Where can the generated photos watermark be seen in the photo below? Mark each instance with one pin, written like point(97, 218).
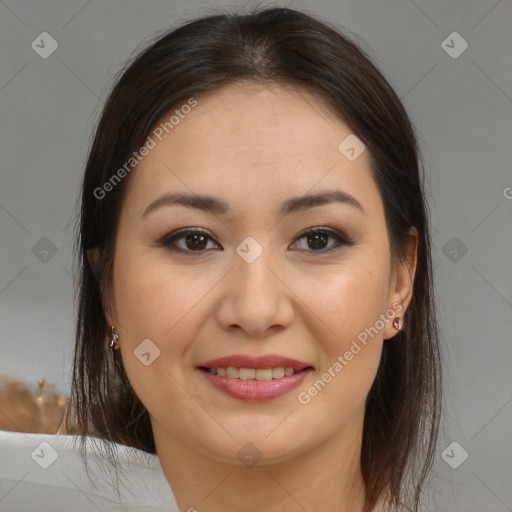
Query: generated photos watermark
point(363, 337)
point(151, 142)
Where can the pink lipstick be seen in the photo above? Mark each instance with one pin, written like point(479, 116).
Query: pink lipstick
point(255, 378)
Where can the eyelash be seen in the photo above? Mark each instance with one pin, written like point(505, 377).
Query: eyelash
point(169, 240)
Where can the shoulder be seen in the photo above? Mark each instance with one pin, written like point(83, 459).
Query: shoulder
point(47, 472)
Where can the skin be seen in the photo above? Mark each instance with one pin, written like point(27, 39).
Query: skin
point(254, 147)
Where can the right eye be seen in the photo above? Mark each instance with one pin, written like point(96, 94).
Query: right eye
point(188, 240)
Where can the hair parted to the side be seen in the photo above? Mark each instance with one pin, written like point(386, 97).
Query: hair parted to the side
point(285, 47)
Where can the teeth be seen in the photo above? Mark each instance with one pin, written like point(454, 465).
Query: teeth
point(263, 374)
point(253, 373)
point(232, 373)
point(247, 373)
point(277, 373)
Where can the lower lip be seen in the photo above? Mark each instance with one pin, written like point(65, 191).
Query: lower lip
point(256, 390)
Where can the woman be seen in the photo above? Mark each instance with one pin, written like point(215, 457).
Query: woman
point(256, 300)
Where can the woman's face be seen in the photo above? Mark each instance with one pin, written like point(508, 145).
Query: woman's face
point(249, 287)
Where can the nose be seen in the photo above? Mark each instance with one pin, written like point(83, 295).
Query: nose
point(255, 298)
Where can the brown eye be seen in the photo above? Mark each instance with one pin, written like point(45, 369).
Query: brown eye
point(196, 242)
point(189, 240)
point(317, 240)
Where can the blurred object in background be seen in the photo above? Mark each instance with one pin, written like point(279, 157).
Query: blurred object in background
point(22, 411)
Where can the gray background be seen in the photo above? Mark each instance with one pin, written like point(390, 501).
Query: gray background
point(461, 106)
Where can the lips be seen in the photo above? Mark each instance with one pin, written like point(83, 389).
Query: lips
point(255, 378)
point(265, 361)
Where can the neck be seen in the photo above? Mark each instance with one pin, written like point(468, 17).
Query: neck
point(327, 477)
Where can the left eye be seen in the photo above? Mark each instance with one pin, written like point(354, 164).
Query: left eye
point(317, 239)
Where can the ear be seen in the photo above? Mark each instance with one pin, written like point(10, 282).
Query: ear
point(401, 282)
point(93, 257)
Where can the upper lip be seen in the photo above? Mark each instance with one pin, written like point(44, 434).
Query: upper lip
point(264, 361)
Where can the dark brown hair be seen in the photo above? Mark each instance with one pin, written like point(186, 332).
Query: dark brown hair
point(285, 47)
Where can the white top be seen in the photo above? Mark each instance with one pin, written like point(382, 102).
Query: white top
point(40, 472)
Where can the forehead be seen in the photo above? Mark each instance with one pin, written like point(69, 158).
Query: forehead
point(249, 143)
point(267, 123)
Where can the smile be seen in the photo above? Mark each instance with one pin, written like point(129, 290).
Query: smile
point(253, 373)
point(255, 378)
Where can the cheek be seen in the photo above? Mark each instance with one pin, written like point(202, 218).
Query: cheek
point(155, 300)
point(349, 304)
point(162, 303)
point(346, 300)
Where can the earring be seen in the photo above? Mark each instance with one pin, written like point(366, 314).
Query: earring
point(114, 340)
point(396, 323)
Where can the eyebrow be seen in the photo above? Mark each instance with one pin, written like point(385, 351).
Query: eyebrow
point(220, 207)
